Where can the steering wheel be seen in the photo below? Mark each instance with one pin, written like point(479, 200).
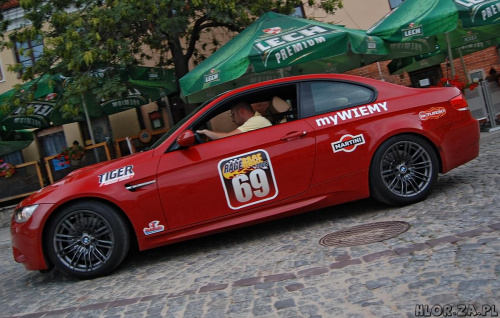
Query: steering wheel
point(199, 139)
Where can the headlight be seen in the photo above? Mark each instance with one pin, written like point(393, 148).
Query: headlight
point(23, 215)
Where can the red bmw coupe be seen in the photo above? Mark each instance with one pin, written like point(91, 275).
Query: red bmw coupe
point(334, 138)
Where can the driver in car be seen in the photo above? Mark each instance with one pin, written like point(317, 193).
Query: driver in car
point(244, 117)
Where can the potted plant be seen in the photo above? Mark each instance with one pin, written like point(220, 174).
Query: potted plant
point(6, 169)
point(457, 83)
point(72, 154)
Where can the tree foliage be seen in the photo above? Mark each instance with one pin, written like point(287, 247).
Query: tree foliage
point(81, 36)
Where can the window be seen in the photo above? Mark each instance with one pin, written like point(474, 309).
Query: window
point(35, 49)
point(52, 144)
point(15, 158)
point(299, 12)
point(219, 118)
point(395, 3)
point(326, 96)
point(2, 78)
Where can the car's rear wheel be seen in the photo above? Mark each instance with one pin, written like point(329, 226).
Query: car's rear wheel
point(404, 170)
point(87, 240)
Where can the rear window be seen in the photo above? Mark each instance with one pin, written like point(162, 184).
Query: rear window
point(326, 96)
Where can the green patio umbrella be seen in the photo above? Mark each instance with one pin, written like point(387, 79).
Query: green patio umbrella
point(277, 45)
point(443, 24)
point(42, 110)
point(134, 99)
point(152, 81)
point(412, 63)
point(90, 105)
point(40, 88)
point(143, 84)
point(20, 114)
point(11, 141)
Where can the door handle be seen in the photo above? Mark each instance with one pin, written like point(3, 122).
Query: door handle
point(294, 135)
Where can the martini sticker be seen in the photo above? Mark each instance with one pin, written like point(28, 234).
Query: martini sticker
point(348, 143)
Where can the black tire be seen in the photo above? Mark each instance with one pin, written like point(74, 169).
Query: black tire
point(87, 240)
point(403, 171)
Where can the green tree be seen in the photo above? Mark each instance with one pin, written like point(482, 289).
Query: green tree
point(82, 36)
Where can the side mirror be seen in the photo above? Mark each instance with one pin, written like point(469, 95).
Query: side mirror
point(186, 138)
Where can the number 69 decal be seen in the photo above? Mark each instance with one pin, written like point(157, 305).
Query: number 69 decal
point(248, 179)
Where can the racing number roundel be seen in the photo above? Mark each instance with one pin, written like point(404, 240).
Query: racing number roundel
point(248, 179)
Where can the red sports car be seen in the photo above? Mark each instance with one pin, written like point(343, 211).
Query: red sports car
point(333, 139)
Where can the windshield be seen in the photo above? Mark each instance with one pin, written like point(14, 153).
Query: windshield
point(176, 126)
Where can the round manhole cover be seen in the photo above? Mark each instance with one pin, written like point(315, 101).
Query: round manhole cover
point(365, 234)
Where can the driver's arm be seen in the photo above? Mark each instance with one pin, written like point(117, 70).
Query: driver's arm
point(217, 135)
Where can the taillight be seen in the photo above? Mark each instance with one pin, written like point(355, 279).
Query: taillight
point(459, 103)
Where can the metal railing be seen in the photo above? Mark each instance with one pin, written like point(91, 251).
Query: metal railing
point(129, 145)
point(29, 177)
point(484, 103)
point(26, 179)
point(57, 169)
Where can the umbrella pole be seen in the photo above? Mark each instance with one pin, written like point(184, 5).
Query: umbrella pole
point(380, 72)
point(89, 125)
point(450, 54)
point(463, 64)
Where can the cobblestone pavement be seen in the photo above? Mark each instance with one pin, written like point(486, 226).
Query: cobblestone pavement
point(448, 261)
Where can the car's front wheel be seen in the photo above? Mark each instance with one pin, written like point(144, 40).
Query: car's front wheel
point(87, 239)
point(404, 170)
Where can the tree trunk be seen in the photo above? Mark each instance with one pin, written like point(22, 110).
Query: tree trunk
point(181, 68)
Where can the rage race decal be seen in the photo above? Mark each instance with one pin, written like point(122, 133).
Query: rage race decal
point(154, 227)
point(433, 113)
point(248, 179)
point(116, 175)
point(348, 143)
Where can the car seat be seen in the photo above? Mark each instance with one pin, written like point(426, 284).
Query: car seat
point(278, 109)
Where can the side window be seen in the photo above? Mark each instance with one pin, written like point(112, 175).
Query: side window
point(327, 96)
point(278, 104)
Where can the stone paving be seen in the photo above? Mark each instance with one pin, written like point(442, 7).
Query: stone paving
point(5, 215)
point(447, 262)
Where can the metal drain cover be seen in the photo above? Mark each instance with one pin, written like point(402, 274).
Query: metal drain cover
point(365, 234)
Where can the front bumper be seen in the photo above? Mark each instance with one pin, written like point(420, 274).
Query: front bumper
point(27, 247)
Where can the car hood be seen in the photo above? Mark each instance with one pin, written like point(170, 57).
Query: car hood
point(82, 175)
